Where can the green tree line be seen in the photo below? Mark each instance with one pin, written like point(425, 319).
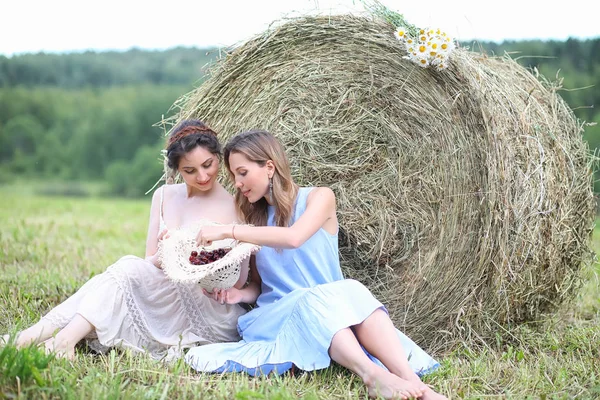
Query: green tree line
point(74, 135)
point(91, 115)
point(177, 66)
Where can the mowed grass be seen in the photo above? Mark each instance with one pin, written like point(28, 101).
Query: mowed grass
point(50, 246)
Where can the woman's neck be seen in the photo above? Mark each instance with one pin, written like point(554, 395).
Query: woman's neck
point(192, 192)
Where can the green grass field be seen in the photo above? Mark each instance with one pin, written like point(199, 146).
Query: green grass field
point(49, 246)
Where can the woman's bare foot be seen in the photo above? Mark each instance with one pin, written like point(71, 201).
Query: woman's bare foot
point(23, 340)
point(389, 386)
point(60, 348)
point(35, 334)
point(430, 394)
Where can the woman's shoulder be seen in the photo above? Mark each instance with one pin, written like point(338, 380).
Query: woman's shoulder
point(318, 191)
point(169, 189)
point(228, 206)
point(226, 194)
point(319, 195)
point(166, 191)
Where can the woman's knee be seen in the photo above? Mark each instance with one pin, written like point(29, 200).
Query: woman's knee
point(130, 263)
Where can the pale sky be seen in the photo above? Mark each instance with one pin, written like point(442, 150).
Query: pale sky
point(76, 25)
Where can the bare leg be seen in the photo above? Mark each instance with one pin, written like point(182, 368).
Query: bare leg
point(378, 336)
point(36, 333)
point(346, 351)
point(63, 344)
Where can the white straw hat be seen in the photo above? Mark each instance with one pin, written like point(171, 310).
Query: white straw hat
point(174, 254)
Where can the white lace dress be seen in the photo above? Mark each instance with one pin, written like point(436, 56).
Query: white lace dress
point(134, 305)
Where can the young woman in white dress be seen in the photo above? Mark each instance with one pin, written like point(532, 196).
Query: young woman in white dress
point(133, 304)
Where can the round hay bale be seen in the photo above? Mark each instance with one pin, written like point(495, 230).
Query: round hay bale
point(464, 196)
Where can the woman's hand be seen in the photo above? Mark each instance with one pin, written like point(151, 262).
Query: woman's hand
point(154, 258)
point(225, 296)
point(164, 234)
point(208, 234)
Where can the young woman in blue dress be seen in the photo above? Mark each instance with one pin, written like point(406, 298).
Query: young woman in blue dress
point(306, 312)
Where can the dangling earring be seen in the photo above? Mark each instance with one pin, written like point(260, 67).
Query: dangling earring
point(271, 189)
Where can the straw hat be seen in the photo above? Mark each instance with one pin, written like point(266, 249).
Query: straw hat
point(175, 250)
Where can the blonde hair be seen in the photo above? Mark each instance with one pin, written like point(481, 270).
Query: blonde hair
point(259, 147)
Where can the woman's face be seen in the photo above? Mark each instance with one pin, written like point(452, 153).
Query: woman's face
point(251, 179)
point(199, 169)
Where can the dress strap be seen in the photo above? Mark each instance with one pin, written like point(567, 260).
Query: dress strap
point(163, 226)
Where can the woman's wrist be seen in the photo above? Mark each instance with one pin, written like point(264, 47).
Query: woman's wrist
point(153, 259)
point(250, 293)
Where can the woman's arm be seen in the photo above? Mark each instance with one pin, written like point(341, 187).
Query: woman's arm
point(244, 267)
point(154, 235)
point(320, 211)
point(235, 295)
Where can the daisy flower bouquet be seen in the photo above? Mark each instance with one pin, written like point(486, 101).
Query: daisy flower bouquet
point(429, 47)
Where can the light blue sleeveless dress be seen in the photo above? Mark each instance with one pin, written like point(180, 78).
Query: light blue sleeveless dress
point(304, 301)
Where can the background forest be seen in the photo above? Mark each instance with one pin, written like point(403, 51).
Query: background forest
point(90, 117)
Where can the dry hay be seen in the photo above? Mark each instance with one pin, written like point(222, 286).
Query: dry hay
point(464, 196)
